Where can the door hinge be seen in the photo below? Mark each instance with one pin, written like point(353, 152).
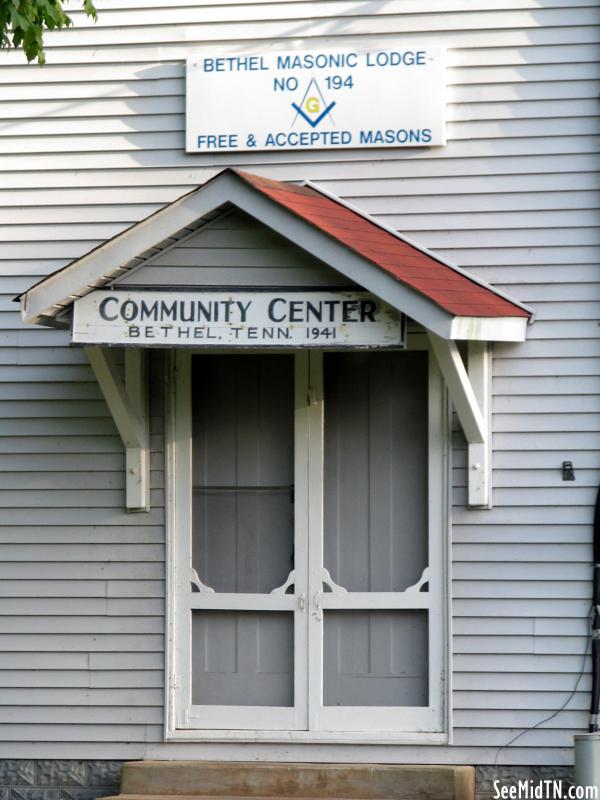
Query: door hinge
point(312, 398)
point(175, 682)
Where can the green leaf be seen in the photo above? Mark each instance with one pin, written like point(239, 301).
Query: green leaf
point(90, 9)
point(24, 22)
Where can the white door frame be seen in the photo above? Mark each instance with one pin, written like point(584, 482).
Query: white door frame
point(324, 724)
point(186, 714)
point(377, 718)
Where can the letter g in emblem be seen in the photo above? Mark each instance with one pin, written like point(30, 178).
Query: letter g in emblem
point(312, 105)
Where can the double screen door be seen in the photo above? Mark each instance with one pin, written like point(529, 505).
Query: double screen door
point(308, 579)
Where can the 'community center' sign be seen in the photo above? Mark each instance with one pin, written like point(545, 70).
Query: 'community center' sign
point(388, 97)
point(236, 319)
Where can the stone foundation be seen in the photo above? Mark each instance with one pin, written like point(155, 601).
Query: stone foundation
point(510, 776)
point(51, 779)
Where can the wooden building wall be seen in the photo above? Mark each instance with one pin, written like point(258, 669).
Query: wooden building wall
point(93, 142)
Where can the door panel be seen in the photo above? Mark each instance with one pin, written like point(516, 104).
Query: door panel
point(375, 526)
point(375, 658)
point(242, 658)
point(243, 464)
point(243, 415)
point(243, 538)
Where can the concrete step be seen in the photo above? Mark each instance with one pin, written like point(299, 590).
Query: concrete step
point(208, 780)
point(207, 797)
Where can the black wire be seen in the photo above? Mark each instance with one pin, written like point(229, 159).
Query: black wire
point(564, 705)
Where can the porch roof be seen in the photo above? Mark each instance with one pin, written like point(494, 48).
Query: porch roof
point(439, 295)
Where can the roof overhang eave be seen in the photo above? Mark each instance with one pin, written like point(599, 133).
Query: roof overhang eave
point(96, 268)
point(60, 290)
point(489, 329)
point(403, 238)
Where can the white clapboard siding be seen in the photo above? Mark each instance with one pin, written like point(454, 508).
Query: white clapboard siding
point(94, 142)
point(234, 250)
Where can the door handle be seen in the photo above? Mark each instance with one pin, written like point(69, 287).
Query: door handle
point(301, 602)
point(318, 611)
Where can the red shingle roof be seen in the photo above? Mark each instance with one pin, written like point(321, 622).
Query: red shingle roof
point(445, 286)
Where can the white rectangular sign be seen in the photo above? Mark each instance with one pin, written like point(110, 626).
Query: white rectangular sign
point(393, 96)
point(236, 319)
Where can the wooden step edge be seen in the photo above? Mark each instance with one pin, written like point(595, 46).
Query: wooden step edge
point(188, 796)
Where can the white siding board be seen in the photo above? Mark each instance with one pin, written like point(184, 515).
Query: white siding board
point(149, 534)
point(519, 29)
point(115, 697)
point(76, 715)
point(113, 643)
point(34, 588)
point(511, 16)
point(139, 660)
point(101, 625)
point(535, 553)
point(85, 606)
point(538, 737)
point(485, 220)
point(407, 7)
point(510, 607)
point(565, 291)
point(471, 682)
point(585, 477)
point(534, 573)
point(578, 534)
point(73, 733)
point(482, 204)
point(104, 571)
point(64, 408)
point(232, 250)
point(544, 700)
point(519, 719)
point(548, 367)
point(82, 552)
point(506, 589)
point(546, 422)
point(526, 663)
point(511, 625)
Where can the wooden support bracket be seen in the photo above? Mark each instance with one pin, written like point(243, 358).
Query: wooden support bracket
point(480, 453)
point(128, 404)
point(470, 392)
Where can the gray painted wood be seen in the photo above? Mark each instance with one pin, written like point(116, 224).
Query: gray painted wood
point(243, 525)
point(375, 529)
point(242, 658)
point(375, 658)
point(243, 463)
point(234, 250)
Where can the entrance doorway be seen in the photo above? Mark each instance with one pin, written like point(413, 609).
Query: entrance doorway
point(308, 570)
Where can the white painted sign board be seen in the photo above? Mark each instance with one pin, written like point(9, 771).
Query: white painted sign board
point(393, 96)
point(236, 319)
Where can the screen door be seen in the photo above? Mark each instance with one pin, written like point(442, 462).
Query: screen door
point(245, 636)
point(309, 585)
point(375, 582)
